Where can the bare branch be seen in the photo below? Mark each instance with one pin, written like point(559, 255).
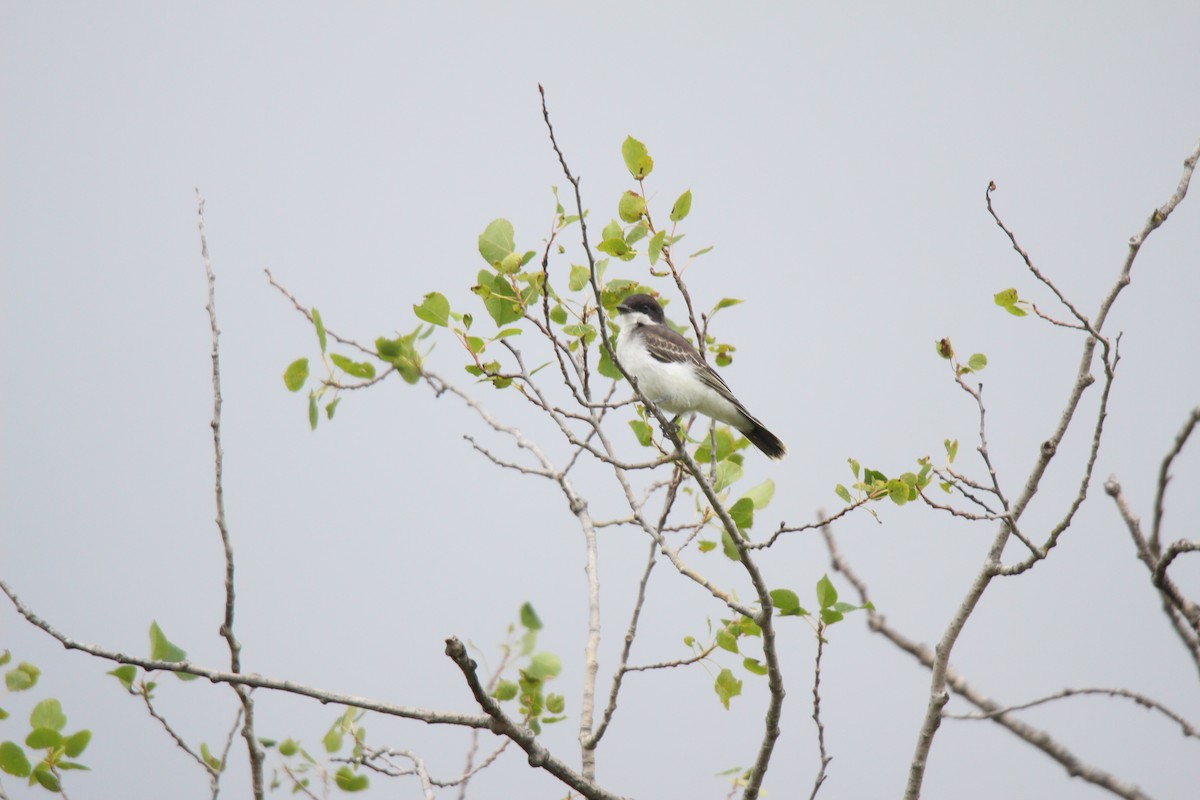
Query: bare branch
point(816, 715)
point(1164, 477)
point(214, 777)
point(308, 315)
point(1083, 321)
point(235, 647)
point(247, 679)
point(1141, 699)
point(929, 659)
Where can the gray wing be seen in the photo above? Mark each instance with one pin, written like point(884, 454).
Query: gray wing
point(669, 347)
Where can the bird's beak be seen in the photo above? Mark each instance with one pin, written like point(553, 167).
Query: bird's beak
point(623, 309)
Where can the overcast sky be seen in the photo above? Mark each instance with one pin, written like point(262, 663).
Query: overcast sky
point(838, 156)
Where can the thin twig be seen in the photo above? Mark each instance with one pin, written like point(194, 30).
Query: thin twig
point(235, 647)
point(1164, 477)
point(1141, 699)
point(253, 680)
point(816, 715)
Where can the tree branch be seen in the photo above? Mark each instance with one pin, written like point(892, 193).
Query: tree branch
point(252, 680)
point(235, 647)
point(539, 756)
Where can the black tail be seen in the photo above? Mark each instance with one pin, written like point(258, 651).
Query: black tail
point(764, 440)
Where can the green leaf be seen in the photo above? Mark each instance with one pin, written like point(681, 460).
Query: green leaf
point(331, 407)
point(348, 781)
point(761, 495)
point(496, 241)
point(435, 309)
point(707, 546)
point(76, 743)
point(944, 349)
point(729, 547)
point(636, 233)
point(5, 657)
point(742, 513)
point(332, 740)
point(727, 687)
point(3, 714)
point(726, 640)
point(48, 714)
point(296, 374)
point(826, 594)
point(13, 760)
point(843, 493)
point(788, 603)
point(320, 326)
point(1009, 301)
point(724, 447)
point(831, 615)
point(208, 758)
point(126, 674)
point(161, 649)
point(544, 665)
point(510, 264)
point(641, 430)
point(701, 252)
point(656, 245)
point(505, 690)
point(631, 207)
point(555, 703)
point(47, 779)
point(753, 665)
point(726, 302)
point(499, 298)
point(580, 275)
point(43, 738)
point(21, 677)
point(288, 748)
point(614, 247)
point(607, 368)
point(951, 450)
point(728, 473)
point(558, 314)
point(637, 159)
point(529, 618)
point(682, 206)
point(356, 369)
point(313, 416)
point(977, 361)
point(898, 491)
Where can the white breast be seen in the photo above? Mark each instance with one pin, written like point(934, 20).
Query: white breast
point(674, 386)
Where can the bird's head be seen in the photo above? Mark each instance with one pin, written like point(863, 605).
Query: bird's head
point(641, 308)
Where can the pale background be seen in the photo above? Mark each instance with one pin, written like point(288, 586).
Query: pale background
point(838, 154)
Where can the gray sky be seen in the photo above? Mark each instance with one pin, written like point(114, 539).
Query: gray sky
point(838, 156)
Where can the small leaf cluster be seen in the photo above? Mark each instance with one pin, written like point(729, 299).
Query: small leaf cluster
point(537, 707)
point(1010, 302)
point(299, 768)
point(975, 363)
point(871, 484)
point(733, 633)
point(46, 733)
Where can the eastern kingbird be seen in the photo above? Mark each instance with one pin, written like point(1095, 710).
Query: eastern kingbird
point(671, 373)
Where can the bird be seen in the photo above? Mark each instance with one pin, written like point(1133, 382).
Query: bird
point(671, 373)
